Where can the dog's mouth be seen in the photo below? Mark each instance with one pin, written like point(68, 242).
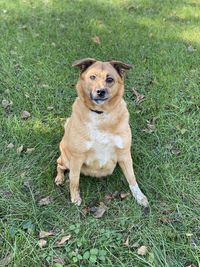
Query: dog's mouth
point(97, 99)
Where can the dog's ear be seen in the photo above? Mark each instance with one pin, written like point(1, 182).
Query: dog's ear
point(84, 63)
point(120, 67)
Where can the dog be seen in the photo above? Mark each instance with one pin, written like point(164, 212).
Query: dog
point(97, 135)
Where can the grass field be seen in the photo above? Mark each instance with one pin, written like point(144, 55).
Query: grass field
point(38, 42)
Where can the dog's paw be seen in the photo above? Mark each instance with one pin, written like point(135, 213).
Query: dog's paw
point(139, 196)
point(143, 201)
point(76, 200)
point(59, 180)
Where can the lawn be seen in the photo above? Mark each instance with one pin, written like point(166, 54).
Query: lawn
point(39, 40)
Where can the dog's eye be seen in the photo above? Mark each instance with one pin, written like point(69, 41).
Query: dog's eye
point(93, 77)
point(109, 79)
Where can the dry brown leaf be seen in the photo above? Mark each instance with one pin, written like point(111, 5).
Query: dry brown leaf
point(63, 240)
point(150, 126)
point(20, 149)
point(142, 250)
point(166, 219)
point(25, 115)
point(7, 91)
point(6, 260)
point(10, 145)
point(58, 259)
point(135, 245)
point(189, 234)
point(44, 234)
point(6, 103)
point(124, 195)
point(139, 97)
point(126, 243)
point(182, 130)
point(84, 212)
point(30, 150)
point(42, 243)
point(100, 210)
point(112, 196)
point(44, 201)
point(108, 197)
point(191, 49)
point(176, 152)
point(96, 40)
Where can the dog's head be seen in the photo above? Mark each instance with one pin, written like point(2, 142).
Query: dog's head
point(100, 82)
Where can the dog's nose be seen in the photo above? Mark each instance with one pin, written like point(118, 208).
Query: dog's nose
point(101, 92)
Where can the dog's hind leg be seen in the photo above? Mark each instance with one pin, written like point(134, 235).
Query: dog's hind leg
point(62, 161)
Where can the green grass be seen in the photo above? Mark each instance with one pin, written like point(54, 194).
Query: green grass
point(38, 42)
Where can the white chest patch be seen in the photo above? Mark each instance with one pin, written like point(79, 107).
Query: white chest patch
point(103, 143)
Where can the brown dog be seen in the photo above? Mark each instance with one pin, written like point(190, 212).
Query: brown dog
point(97, 135)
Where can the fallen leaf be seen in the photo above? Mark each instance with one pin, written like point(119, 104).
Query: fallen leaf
point(150, 126)
point(182, 130)
point(7, 91)
point(63, 240)
point(44, 85)
point(25, 115)
point(189, 234)
point(42, 243)
point(30, 150)
point(135, 245)
point(6, 260)
point(59, 260)
point(191, 265)
point(85, 211)
point(62, 26)
point(139, 97)
point(111, 196)
point(20, 149)
point(50, 108)
point(100, 210)
point(126, 243)
point(166, 219)
point(175, 151)
point(44, 234)
point(191, 49)
point(124, 195)
point(93, 203)
point(108, 197)
point(44, 201)
point(96, 40)
point(142, 250)
point(10, 146)
point(6, 103)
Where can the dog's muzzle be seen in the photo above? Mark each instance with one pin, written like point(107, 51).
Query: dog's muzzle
point(99, 96)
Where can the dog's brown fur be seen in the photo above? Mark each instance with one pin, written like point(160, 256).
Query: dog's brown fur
point(94, 143)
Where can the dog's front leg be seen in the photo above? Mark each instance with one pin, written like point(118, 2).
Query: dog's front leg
point(126, 164)
point(74, 177)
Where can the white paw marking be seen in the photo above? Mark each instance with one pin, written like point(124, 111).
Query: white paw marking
point(76, 200)
point(138, 195)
